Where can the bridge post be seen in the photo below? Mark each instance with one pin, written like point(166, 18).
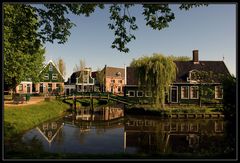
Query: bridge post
point(75, 103)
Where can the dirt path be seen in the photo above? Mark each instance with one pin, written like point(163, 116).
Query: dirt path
point(33, 100)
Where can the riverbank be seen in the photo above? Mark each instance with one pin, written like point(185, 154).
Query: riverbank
point(20, 118)
point(169, 110)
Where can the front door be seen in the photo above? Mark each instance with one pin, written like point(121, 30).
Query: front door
point(41, 87)
point(28, 88)
point(174, 94)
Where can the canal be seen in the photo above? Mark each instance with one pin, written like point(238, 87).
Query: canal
point(107, 130)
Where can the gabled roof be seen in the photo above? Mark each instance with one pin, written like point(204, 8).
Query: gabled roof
point(183, 68)
point(112, 71)
point(77, 74)
point(50, 61)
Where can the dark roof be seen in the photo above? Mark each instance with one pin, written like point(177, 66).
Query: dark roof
point(183, 68)
point(132, 76)
point(112, 71)
point(74, 76)
point(94, 74)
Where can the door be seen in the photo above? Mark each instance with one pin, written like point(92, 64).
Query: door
point(41, 87)
point(28, 88)
point(174, 94)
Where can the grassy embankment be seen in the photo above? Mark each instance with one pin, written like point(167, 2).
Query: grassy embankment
point(18, 119)
point(181, 109)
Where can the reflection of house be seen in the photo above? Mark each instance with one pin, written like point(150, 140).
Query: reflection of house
point(185, 89)
point(50, 130)
point(177, 135)
point(114, 79)
point(104, 113)
point(80, 81)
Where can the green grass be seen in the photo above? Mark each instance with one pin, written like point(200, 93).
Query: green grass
point(18, 119)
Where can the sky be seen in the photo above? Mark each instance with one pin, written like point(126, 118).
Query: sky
point(211, 30)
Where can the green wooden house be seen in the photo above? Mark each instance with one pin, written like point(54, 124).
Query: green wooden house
point(52, 81)
point(185, 89)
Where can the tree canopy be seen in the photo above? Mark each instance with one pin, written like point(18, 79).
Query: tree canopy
point(53, 23)
point(155, 74)
point(23, 53)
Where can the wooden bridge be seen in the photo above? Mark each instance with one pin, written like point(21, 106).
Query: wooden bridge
point(106, 96)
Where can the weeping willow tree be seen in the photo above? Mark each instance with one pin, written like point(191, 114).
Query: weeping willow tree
point(155, 74)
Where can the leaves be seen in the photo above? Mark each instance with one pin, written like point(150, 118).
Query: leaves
point(23, 53)
point(156, 73)
point(120, 21)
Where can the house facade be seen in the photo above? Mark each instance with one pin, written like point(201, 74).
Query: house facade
point(80, 81)
point(25, 87)
point(185, 89)
point(52, 80)
point(113, 79)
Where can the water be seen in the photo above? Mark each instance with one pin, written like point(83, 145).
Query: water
point(108, 131)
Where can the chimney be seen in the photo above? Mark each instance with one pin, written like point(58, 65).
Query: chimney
point(195, 57)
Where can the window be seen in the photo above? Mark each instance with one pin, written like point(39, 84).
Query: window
point(194, 92)
point(139, 93)
point(112, 81)
point(119, 89)
point(54, 76)
point(46, 77)
point(184, 92)
point(20, 87)
point(131, 93)
point(120, 81)
point(118, 74)
point(50, 67)
point(218, 92)
point(148, 94)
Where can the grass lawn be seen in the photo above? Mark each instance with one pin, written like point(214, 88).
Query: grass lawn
point(21, 118)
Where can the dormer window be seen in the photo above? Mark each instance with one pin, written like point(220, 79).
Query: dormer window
point(118, 73)
point(193, 76)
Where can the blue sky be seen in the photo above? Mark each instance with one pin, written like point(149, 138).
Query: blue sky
point(211, 30)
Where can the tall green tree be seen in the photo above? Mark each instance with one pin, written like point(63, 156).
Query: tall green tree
point(155, 73)
point(23, 52)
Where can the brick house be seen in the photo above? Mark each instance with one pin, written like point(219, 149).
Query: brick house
point(113, 79)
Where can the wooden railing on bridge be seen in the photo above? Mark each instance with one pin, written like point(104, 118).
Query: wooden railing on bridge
point(96, 95)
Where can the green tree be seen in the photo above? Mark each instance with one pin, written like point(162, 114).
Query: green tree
point(155, 73)
point(53, 23)
point(180, 58)
point(23, 53)
point(229, 96)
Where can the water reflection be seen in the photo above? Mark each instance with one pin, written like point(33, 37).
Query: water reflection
point(107, 130)
point(170, 135)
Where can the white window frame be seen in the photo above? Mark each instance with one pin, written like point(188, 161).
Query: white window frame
point(20, 86)
point(146, 94)
point(129, 93)
point(54, 76)
point(187, 92)
point(216, 92)
point(46, 76)
point(138, 92)
point(191, 94)
point(171, 94)
point(50, 67)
